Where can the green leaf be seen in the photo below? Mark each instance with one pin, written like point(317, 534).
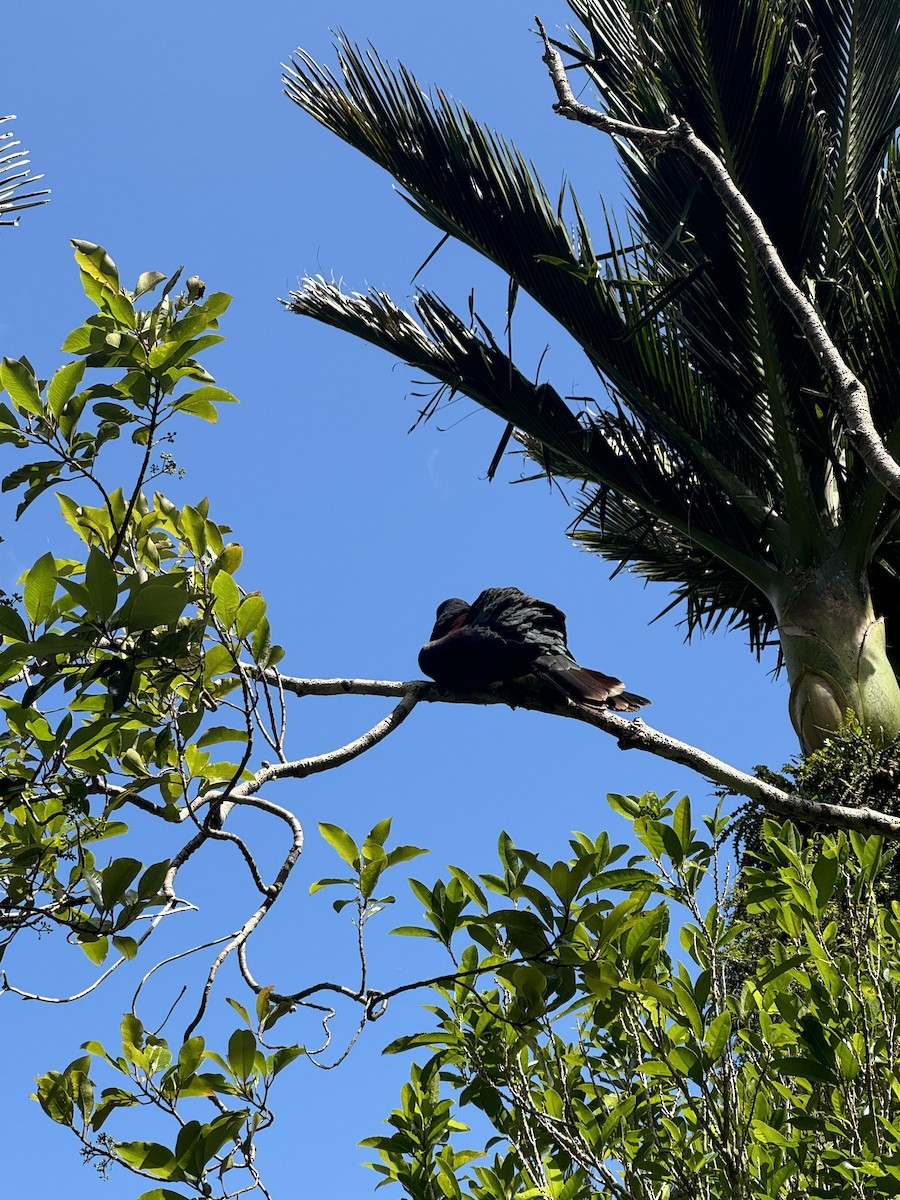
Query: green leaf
point(804, 1068)
point(219, 661)
point(228, 598)
point(681, 822)
point(402, 854)
point(369, 876)
point(12, 625)
point(242, 1053)
point(193, 526)
point(90, 740)
point(625, 879)
point(116, 878)
point(63, 384)
point(19, 381)
point(824, 877)
point(225, 1128)
point(379, 833)
point(148, 1156)
point(40, 588)
point(240, 1010)
point(152, 879)
point(717, 1035)
point(190, 1056)
point(154, 604)
point(626, 806)
point(650, 834)
point(318, 884)
point(341, 841)
point(261, 648)
point(55, 1098)
point(8, 419)
point(221, 733)
point(119, 306)
point(250, 613)
point(132, 1033)
point(110, 1100)
point(206, 395)
point(96, 263)
point(283, 1057)
point(216, 304)
point(147, 282)
point(230, 559)
point(96, 950)
point(126, 946)
point(102, 584)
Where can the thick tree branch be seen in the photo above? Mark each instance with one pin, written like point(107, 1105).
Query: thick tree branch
point(849, 390)
point(630, 734)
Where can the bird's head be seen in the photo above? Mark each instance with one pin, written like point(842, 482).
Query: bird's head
point(450, 614)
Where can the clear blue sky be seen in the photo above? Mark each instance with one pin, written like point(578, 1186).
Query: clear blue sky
point(164, 135)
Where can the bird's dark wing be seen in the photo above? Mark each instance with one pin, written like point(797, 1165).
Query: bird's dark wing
point(521, 618)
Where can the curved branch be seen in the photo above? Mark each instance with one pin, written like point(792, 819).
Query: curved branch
point(849, 390)
point(411, 693)
point(272, 892)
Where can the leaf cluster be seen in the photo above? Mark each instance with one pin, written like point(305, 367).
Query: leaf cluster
point(112, 661)
point(150, 1074)
point(606, 1066)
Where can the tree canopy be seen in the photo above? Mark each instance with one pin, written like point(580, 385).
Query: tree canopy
point(739, 318)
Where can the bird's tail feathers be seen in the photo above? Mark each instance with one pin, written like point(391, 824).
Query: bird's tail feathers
point(627, 702)
point(590, 687)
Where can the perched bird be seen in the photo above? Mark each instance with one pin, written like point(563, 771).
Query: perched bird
point(505, 635)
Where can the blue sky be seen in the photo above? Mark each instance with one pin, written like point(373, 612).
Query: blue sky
point(164, 135)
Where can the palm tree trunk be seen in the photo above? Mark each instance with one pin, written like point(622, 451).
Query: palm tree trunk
point(835, 652)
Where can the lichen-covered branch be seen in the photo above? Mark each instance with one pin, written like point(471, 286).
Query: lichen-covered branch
point(630, 734)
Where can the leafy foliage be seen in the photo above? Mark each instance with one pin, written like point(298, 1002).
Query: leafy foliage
point(149, 1075)
point(607, 1066)
point(111, 661)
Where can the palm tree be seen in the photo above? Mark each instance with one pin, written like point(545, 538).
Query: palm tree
point(718, 460)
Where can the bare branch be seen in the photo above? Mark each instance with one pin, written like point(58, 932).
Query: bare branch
point(272, 892)
point(849, 390)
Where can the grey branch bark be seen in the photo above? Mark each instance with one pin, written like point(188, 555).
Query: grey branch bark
point(630, 734)
point(849, 390)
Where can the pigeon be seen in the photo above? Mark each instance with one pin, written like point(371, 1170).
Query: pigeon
point(505, 635)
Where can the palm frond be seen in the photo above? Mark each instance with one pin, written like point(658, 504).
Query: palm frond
point(610, 448)
point(14, 177)
point(711, 595)
point(718, 445)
